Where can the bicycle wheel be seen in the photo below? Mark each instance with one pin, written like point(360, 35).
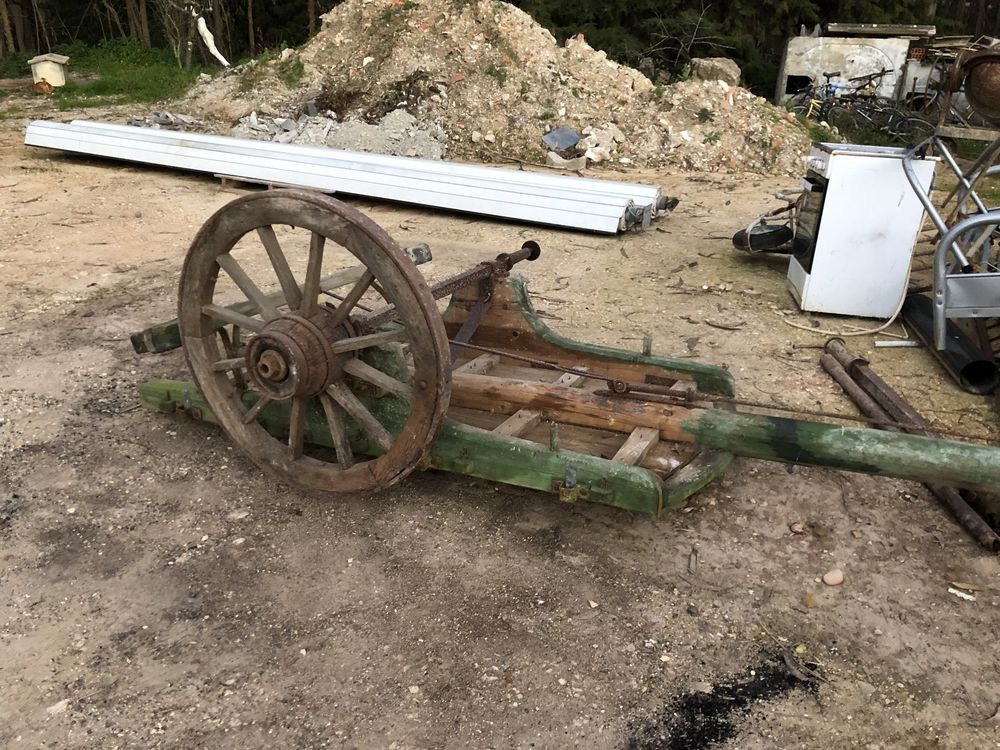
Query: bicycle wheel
point(842, 119)
point(920, 129)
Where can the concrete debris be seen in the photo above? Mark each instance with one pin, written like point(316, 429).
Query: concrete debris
point(576, 164)
point(168, 121)
point(486, 79)
point(716, 69)
point(398, 133)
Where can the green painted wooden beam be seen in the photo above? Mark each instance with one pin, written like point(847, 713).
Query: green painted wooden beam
point(708, 378)
point(472, 451)
point(921, 459)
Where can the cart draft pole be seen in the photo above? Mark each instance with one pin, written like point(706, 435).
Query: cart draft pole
point(791, 441)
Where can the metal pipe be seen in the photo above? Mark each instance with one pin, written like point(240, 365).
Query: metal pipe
point(965, 362)
point(948, 496)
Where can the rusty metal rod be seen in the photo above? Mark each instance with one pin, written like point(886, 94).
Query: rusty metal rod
point(498, 268)
point(948, 496)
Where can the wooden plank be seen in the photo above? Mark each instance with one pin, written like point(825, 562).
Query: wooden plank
point(639, 443)
point(665, 458)
point(525, 419)
point(519, 423)
point(229, 181)
point(570, 405)
point(480, 365)
point(570, 380)
point(970, 133)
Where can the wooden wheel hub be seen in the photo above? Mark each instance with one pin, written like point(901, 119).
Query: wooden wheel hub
point(290, 357)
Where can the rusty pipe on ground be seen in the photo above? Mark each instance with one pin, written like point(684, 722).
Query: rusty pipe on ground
point(948, 496)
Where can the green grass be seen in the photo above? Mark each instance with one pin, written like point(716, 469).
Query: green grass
point(291, 71)
point(120, 72)
point(11, 112)
point(497, 73)
point(15, 66)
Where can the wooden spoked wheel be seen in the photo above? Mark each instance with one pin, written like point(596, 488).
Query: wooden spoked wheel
point(291, 342)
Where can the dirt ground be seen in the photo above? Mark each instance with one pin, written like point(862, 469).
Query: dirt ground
point(157, 591)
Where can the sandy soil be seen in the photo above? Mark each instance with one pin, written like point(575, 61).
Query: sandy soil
point(157, 591)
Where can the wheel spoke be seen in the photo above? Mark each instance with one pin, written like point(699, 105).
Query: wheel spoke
point(364, 371)
point(353, 406)
point(231, 343)
point(338, 430)
point(224, 365)
point(310, 292)
point(345, 307)
point(364, 342)
point(231, 316)
point(297, 427)
point(266, 306)
point(256, 409)
point(293, 295)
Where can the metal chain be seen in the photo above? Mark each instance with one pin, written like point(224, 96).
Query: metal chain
point(682, 397)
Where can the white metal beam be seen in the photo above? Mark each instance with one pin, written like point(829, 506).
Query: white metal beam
point(587, 204)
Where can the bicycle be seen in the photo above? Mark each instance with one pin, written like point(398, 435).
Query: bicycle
point(863, 109)
point(814, 101)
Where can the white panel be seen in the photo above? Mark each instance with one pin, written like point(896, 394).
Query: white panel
point(588, 204)
point(639, 193)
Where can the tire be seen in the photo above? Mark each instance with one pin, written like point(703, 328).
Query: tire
point(764, 238)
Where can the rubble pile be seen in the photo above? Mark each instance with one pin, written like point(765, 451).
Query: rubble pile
point(398, 133)
point(168, 121)
point(492, 83)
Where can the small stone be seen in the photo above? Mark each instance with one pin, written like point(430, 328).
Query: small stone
point(693, 610)
point(702, 687)
point(367, 61)
point(58, 708)
point(238, 515)
point(71, 511)
point(238, 541)
point(562, 681)
point(834, 577)
point(414, 689)
point(593, 604)
point(797, 527)
point(490, 138)
point(476, 136)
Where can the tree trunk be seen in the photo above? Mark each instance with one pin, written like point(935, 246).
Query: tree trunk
point(18, 20)
point(144, 24)
point(132, 17)
point(114, 20)
point(251, 33)
point(7, 45)
point(189, 32)
point(311, 11)
point(218, 26)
